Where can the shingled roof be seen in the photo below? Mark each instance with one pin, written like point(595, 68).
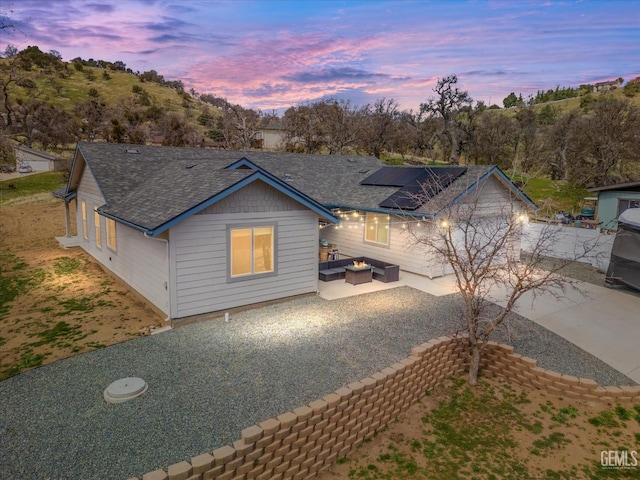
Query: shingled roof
point(151, 188)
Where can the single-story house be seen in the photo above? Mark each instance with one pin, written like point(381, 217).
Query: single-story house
point(38, 161)
point(615, 199)
point(196, 230)
point(608, 85)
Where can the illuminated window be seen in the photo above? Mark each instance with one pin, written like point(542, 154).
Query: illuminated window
point(377, 228)
point(96, 220)
point(111, 233)
point(251, 250)
point(85, 227)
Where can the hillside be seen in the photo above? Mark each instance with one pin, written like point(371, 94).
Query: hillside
point(51, 104)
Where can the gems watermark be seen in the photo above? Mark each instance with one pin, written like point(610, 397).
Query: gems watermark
point(619, 459)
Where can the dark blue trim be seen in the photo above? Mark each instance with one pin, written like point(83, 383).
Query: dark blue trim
point(124, 222)
point(500, 173)
point(398, 213)
point(258, 175)
point(67, 196)
point(243, 162)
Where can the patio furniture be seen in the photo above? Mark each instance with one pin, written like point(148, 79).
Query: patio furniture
point(358, 275)
point(335, 269)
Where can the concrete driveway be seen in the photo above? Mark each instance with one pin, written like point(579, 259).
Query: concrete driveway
point(602, 321)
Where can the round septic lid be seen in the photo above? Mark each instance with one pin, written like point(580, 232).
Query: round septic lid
point(125, 389)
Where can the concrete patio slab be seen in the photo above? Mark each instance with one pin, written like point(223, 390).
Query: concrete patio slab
point(602, 321)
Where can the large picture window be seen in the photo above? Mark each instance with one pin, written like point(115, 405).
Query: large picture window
point(251, 250)
point(111, 234)
point(377, 228)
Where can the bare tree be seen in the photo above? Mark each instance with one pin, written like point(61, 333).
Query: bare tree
point(341, 125)
point(178, 132)
point(479, 242)
point(450, 99)
point(559, 138)
point(496, 135)
point(5, 20)
point(240, 126)
point(304, 126)
point(379, 126)
point(605, 143)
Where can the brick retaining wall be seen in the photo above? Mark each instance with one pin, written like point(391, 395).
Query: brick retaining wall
point(299, 444)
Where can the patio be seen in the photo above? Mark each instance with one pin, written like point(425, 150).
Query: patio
point(600, 320)
point(436, 287)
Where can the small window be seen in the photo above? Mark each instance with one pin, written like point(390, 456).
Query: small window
point(111, 234)
point(377, 228)
point(96, 220)
point(251, 250)
point(85, 227)
point(626, 203)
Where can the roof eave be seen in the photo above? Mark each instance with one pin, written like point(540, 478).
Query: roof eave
point(496, 171)
point(66, 196)
point(259, 174)
point(387, 211)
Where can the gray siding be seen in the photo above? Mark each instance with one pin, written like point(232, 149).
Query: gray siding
point(255, 197)
point(199, 251)
point(141, 262)
point(402, 249)
point(349, 240)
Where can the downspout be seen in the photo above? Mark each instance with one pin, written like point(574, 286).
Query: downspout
point(67, 218)
point(166, 242)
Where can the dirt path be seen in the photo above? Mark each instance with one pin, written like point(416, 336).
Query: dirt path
point(56, 302)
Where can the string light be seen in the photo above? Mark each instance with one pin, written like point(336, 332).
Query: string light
point(355, 219)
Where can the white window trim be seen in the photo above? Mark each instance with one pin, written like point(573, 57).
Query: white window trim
point(386, 218)
point(98, 227)
point(112, 239)
point(83, 213)
point(249, 276)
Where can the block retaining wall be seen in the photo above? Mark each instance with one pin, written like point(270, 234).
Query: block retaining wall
point(299, 444)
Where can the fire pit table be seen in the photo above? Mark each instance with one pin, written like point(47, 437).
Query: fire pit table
point(357, 275)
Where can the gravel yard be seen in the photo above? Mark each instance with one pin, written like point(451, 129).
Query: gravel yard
point(208, 381)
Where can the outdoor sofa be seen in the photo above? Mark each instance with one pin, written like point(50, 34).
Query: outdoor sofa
point(335, 269)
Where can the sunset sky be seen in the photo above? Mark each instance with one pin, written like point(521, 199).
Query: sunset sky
point(278, 53)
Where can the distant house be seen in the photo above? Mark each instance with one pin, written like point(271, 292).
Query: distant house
point(38, 161)
point(608, 85)
point(197, 230)
point(271, 138)
point(615, 199)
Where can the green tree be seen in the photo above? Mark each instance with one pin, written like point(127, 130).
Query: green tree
point(632, 88)
point(510, 100)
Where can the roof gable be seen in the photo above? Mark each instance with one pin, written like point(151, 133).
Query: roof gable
point(154, 188)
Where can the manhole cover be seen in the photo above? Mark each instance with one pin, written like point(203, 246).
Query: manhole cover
point(125, 389)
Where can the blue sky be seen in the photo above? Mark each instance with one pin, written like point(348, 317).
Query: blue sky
point(277, 53)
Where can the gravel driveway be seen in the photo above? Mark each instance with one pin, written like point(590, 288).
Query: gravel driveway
point(208, 381)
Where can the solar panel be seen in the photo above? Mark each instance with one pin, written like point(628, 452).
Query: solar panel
point(427, 185)
point(393, 176)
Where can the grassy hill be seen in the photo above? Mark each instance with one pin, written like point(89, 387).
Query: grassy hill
point(120, 94)
point(66, 92)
